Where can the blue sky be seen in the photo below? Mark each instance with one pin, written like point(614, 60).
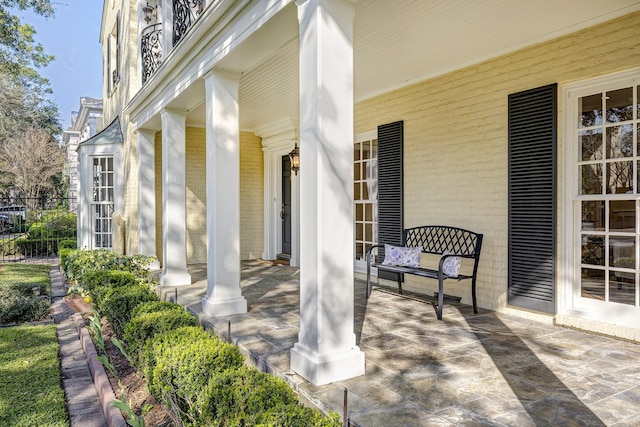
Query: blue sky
point(72, 36)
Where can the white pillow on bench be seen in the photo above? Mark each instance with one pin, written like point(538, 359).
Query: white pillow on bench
point(402, 256)
point(451, 265)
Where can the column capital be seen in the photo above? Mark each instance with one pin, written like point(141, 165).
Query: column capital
point(220, 72)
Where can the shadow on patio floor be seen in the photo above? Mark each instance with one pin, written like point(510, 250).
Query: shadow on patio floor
point(484, 369)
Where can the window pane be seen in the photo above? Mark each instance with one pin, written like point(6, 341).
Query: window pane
point(592, 284)
point(359, 251)
point(356, 151)
point(622, 252)
point(591, 179)
point(590, 113)
point(359, 231)
point(622, 287)
point(359, 212)
point(368, 212)
point(619, 177)
point(365, 191)
point(356, 171)
point(374, 145)
point(356, 191)
point(366, 150)
point(622, 215)
point(619, 105)
point(368, 232)
point(593, 215)
point(593, 250)
point(619, 141)
point(591, 144)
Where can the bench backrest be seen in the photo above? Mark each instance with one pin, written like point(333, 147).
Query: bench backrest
point(436, 239)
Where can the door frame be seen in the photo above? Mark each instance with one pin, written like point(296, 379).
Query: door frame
point(278, 141)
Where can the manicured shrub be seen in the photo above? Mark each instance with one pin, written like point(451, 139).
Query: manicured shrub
point(296, 415)
point(118, 302)
point(154, 306)
point(146, 325)
point(179, 363)
point(63, 253)
point(68, 244)
point(81, 262)
point(238, 397)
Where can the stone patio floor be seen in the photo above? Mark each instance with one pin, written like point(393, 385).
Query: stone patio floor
point(469, 369)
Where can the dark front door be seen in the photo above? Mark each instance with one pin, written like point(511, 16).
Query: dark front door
point(285, 212)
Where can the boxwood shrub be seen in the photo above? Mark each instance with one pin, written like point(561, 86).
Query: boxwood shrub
point(179, 363)
point(118, 302)
point(240, 396)
point(146, 325)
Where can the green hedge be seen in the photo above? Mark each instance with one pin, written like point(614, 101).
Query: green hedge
point(145, 325)
point(81, 262)
point(178, 365)
point(117, 303)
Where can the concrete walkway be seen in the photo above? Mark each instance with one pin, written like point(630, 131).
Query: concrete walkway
point(484, 369)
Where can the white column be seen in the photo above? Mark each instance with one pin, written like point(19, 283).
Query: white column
point(223, 196)
point(85, 179)
point(326, 350)
point(174, 225)
point(147, 195)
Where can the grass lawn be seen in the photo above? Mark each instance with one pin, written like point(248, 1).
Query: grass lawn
point(27, 275)
point(30, 389)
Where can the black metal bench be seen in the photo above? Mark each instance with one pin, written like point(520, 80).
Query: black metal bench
point(434, 239)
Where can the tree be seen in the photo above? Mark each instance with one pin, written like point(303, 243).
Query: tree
point(31, 162)
point(20, 54)
point(24, 102)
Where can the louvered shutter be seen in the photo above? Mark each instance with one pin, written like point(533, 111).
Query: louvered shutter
point(532, 198)
point(390, 197)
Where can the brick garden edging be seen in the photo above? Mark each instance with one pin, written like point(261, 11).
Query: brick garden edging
point(100, 380)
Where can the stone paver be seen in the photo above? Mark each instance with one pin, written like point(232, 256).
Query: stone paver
point(484, 369)
point(82, 399)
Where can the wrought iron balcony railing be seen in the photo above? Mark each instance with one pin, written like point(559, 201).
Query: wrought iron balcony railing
point(151, 46)
point(185, 13)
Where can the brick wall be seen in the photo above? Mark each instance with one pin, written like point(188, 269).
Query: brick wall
point(455, 158)
point(251, 196)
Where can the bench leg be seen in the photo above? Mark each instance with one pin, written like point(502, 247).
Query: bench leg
point(440, 297)
point(400, 283)
point(473, 296)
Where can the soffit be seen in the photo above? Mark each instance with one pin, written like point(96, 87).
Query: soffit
point(400, 43)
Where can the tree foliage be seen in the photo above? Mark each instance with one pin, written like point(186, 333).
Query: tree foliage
point(29, 161)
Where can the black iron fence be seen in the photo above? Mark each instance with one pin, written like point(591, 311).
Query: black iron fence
point(34, 228)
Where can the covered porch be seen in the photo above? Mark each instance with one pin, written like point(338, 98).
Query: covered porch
point(485, 369)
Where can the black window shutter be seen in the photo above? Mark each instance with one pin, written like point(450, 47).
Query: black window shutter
point(390, 197)
point(532, 198)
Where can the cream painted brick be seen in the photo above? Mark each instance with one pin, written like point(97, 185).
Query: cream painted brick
point(455, 137)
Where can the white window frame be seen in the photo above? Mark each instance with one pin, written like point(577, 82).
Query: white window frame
point(569, 296)
point(360, 265)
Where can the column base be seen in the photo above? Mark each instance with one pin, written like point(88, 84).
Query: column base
point(175, 279)
point(324, 369)
point(226, 307)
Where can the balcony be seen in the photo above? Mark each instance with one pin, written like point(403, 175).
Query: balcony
point(185, 13)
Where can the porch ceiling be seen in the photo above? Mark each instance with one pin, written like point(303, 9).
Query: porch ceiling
point(399, 45)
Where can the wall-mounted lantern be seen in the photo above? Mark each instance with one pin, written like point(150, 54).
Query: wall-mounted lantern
point(294, 155)
point(149, 13)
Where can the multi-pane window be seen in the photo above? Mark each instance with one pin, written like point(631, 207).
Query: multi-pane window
point(608, 167)
point(102, 205)
point(365, 194)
